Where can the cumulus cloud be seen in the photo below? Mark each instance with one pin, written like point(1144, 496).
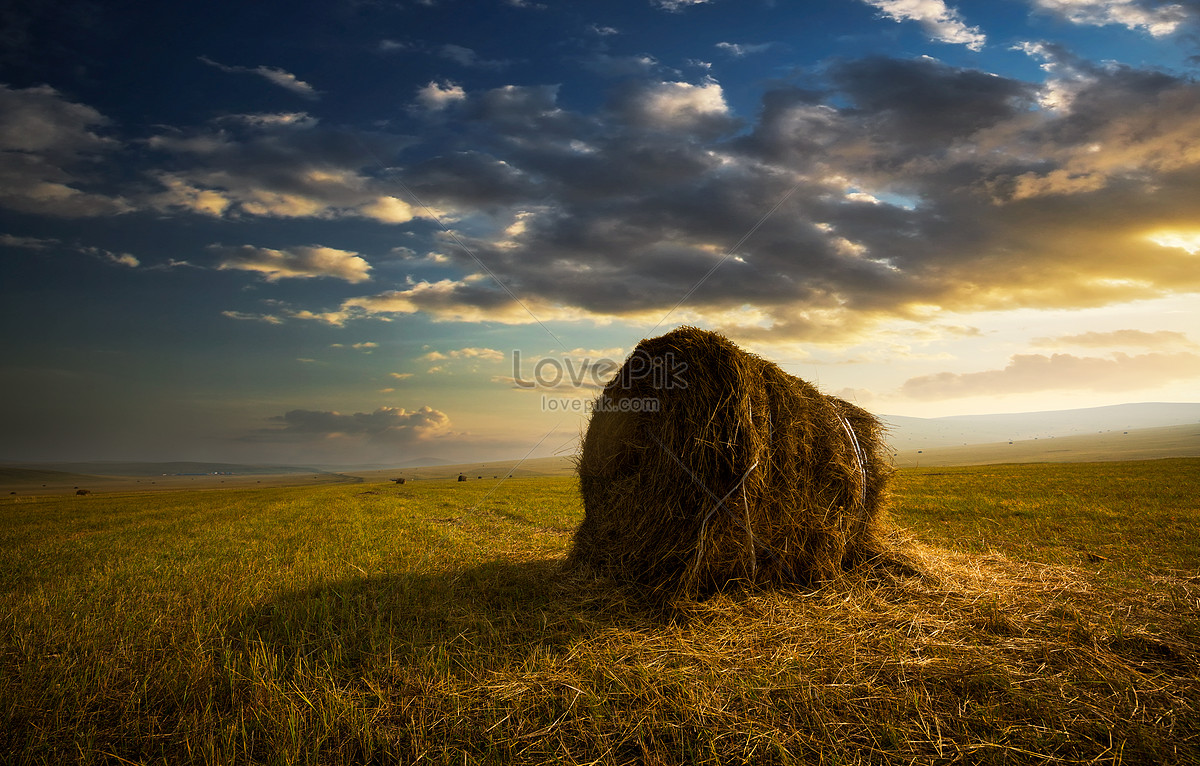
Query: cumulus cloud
point(676, 106)
point(1156, 18)
point(122, 259)
point(901, 189)
point(48, 149)
point(295, 263)
point(888, 190)
point(276, 169)
point(485, 354)
point(436, 96)
point(939, 21)
point(1028, 373)
point(386, 425)
point(273, 75)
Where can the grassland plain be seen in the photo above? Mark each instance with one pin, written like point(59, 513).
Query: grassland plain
point(1058, 622)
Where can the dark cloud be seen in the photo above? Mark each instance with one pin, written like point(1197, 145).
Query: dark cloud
point(890, 189)
point(921, 102)
point(50, 149)
point(880, 197)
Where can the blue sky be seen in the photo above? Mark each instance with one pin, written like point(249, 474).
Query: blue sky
point(345, 235)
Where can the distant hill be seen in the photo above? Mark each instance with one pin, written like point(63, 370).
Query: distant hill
point(12, 476)
point(1134, 444)
point(959, 430)
point(184, 468)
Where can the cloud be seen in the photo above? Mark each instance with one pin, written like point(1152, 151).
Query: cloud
point(276, 169)
point(50, 149)
point(887, 191)
point(123, 259)
point(939, 22)
point(620, 66)
point(273, 75)
point(272, 119)
point(386, 425)
point(247, 317)
point(739, 50)
point(898, 190)
point(676, 107)
point(1157, 19)
point(469, 58)
point(28, 243)
point(295, 263)
point(1127, 338)
point(485, 354)
point(676, 6)
point(437, 96)
point(1029, 373)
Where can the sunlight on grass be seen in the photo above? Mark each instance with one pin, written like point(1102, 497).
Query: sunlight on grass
point(1059, 620)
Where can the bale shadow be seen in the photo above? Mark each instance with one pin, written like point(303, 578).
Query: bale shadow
point(496, 614)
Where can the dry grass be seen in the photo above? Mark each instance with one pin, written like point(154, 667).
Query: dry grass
point(431, 623)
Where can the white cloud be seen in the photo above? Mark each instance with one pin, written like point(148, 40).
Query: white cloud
point(1158, 20)
point(1188, 241)
point(123, 259)
point(738, 50)
point(679, 105)
point(272, 120)
point(388, 210)
point(939, 22)
point(437, 96)
point(297, 262)
point(676, 6)
point(485, 354)
point(247, 317)
point(274, 75)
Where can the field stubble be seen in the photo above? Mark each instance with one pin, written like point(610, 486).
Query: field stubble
point(1059, 622)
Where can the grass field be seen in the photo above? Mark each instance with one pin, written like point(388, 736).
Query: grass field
point(1058, 622)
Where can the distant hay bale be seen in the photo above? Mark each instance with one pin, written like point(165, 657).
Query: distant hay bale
point(703, 464)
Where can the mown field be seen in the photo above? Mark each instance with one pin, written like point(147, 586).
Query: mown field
point(1058, 621)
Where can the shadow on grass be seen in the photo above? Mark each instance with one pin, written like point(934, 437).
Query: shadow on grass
point(493, 614)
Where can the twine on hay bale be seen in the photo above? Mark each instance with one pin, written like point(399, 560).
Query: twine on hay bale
point(704, 464)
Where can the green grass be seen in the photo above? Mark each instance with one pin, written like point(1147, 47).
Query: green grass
point(430, 622)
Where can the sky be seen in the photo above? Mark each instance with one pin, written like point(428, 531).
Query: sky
point(368, 232)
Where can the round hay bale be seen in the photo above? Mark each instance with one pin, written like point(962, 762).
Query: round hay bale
point(704, 464)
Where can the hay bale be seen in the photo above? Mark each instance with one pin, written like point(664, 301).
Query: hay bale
point(743, 472)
